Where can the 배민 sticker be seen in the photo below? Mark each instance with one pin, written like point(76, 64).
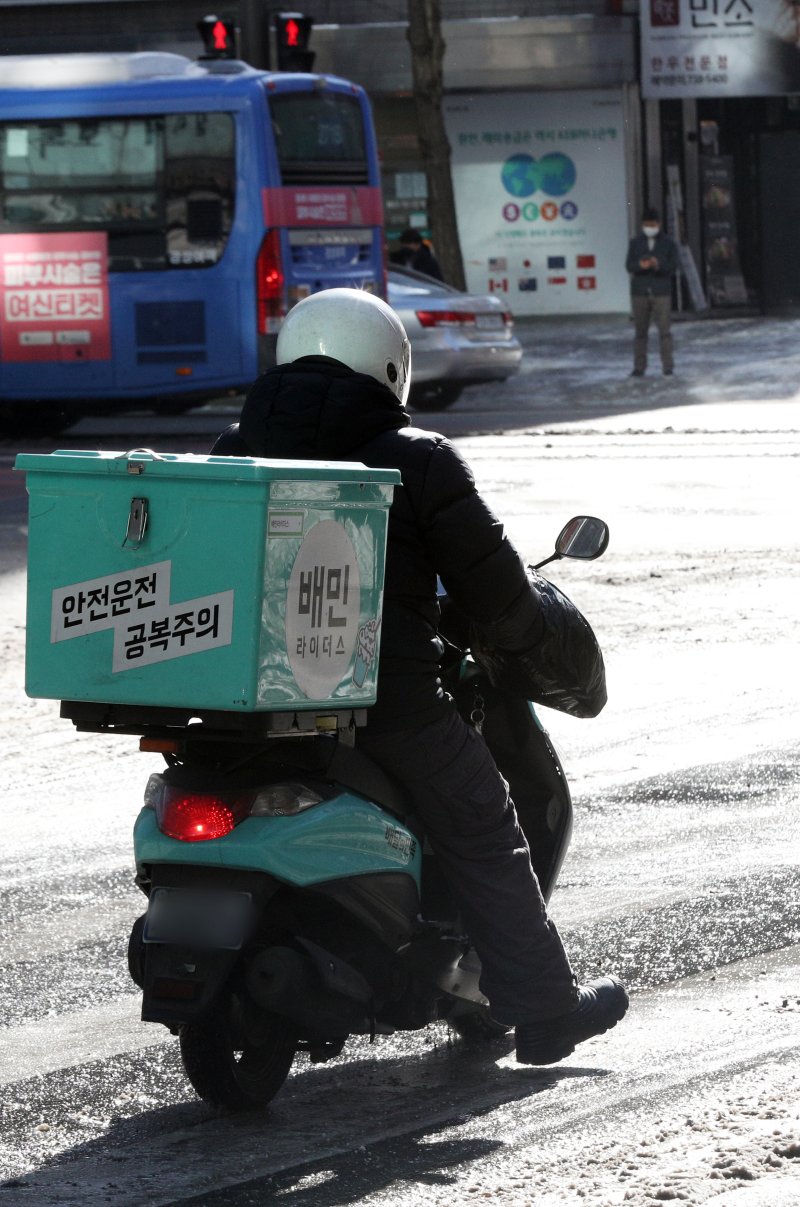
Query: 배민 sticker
point(323, 605)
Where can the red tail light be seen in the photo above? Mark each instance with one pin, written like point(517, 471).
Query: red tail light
point(446, 318)
point(270, 284)
point(200, 816)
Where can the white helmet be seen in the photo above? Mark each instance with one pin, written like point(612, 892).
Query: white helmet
point(353, 327)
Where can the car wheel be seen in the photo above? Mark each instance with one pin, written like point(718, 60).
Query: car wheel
point(434, 397)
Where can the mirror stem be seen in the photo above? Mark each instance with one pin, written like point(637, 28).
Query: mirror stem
point(554, 557)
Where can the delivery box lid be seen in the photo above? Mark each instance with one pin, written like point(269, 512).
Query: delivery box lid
point(205, 466)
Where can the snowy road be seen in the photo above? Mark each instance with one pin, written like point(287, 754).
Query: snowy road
point(684, 872)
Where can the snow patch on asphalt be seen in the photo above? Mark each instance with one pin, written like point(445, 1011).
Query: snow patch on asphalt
point(734, 1145)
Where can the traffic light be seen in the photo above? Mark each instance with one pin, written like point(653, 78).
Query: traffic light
point(293, 31)
point(219, 38)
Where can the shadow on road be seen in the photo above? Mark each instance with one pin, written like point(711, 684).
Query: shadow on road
point(334, 1134)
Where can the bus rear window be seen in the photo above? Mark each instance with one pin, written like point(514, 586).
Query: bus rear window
point(161, 186)
point(319, 138)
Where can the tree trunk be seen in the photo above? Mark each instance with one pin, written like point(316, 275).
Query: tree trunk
point(427, 58)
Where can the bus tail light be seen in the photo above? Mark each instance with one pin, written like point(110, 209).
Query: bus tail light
point(270, 285)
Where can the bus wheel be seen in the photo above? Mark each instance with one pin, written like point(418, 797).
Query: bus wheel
point(36, 419)
point(174, 408)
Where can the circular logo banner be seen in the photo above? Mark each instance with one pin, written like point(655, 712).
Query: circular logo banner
point(323, 604)
point(553, 174)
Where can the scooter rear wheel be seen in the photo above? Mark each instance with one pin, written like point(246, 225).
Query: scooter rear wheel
point(238, 1058)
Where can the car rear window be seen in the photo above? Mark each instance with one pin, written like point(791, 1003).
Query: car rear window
point(408, 287)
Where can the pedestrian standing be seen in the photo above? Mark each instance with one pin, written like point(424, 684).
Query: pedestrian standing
point(652, 261)
point(415, 252)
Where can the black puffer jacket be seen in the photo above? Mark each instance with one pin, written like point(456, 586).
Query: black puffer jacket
point(319, 409)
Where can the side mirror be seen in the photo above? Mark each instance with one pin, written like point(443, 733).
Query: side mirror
point(584, 537)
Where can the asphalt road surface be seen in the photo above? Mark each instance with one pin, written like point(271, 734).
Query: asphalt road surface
point(683, 874)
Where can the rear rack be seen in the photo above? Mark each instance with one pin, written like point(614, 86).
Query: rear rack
point(218, 725)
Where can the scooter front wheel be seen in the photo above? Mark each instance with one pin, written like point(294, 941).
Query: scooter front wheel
point(238, 1057)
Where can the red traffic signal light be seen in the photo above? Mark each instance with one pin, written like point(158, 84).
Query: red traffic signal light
point(293, 31)
point(219, 38)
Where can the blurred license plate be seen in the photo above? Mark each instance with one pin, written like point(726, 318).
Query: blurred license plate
point(489, 322)
point(190, 918)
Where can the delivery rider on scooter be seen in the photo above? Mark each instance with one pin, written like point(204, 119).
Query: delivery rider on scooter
point(338, 393)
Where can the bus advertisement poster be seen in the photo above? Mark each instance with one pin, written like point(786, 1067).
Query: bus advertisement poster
point(320, 206)
point(54, 301)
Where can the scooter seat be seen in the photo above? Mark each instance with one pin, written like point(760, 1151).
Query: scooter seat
point(355, 770)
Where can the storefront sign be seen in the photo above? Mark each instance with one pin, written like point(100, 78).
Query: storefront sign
point(540, 198)
point(720, 239)
point(696, 48)
point(54, 297)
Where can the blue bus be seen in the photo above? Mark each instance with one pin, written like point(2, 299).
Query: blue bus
point(159, 216)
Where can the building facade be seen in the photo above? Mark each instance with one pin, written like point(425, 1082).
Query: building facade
point(564, 120)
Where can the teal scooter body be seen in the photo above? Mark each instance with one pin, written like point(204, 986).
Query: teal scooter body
point(343, 837)
point(314, 912)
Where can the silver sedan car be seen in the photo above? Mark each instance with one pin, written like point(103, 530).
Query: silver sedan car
point(457, 339)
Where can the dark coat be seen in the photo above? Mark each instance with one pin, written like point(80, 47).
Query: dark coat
point(654, 281)
point(438, 524)
point(421, 259)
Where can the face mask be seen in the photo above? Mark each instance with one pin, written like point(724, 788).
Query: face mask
point(650, 231)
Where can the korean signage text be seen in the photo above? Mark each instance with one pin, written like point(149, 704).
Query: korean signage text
point(540, 197)
point(54, 297)
point(697, 48)
point(323, 603)
point(147, 627)
point(322, 206)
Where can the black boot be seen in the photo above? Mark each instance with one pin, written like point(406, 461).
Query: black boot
point(600, 1005)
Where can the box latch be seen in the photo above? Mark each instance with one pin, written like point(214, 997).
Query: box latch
point(137, 467)
point(137, 521)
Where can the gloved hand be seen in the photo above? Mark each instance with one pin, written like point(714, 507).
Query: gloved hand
point(561, 668)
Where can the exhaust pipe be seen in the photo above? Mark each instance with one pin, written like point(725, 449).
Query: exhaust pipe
point(288, 982)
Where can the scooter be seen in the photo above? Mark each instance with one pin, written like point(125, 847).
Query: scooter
point(292, 898)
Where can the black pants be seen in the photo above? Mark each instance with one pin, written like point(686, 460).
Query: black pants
point(463, 803)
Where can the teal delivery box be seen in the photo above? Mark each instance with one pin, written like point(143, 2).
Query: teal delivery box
point(231, 583)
